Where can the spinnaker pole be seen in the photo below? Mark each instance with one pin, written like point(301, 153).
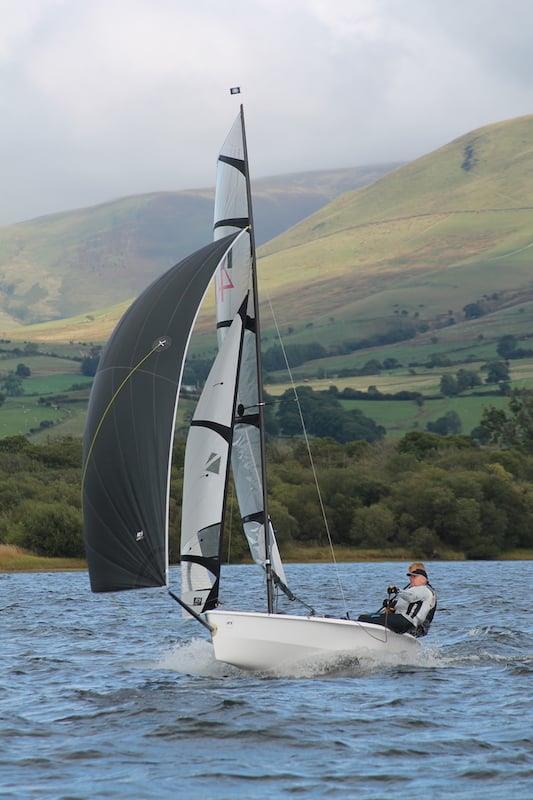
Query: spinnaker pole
point(260, 393)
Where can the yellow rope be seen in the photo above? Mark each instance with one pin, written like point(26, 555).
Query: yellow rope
point(128, 376)
point(126, 379)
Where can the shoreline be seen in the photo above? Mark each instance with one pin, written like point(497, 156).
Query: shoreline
point(14, 559)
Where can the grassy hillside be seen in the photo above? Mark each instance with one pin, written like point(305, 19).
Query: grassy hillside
point(94, 326)
point(64, 264)
point(408, 252)
point(55, 395)
point(16, 559)
point(417, 245)
point(429, 237)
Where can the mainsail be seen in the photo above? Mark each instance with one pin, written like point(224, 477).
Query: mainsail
point(206, 474)
point(130, 424)
point(233, 282)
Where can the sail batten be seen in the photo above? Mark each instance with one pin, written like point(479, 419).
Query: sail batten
point(130, 423)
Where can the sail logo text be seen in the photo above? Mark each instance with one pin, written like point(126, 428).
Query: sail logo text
point(225, 282)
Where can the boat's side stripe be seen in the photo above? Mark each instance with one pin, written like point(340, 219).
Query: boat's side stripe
point(223, 430)
point(238, 163)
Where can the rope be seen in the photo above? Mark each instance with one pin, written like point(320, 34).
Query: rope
point(106, 411)
point(368, 633)
point(326, 525)
point(278, 583)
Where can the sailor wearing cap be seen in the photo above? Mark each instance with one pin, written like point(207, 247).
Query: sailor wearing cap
point(408, 610)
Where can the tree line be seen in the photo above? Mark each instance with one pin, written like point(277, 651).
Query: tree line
point(427, 492)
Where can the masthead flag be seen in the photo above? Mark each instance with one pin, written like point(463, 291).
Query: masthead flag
point(235, 90)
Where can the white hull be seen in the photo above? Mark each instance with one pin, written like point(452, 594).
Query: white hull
point(275, 641)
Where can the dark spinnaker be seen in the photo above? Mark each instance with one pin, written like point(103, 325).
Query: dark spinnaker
point(130, 423)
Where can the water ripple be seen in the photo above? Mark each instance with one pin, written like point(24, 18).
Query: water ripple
point(114, 696)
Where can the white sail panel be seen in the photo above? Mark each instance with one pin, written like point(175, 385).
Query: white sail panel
point(230, 199)
point(246, 460)
point(205, 475)
point(233, 277)
point(233, 280)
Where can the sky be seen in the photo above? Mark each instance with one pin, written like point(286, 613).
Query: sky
point(105, 98)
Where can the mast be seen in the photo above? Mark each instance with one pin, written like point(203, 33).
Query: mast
point(260, 400)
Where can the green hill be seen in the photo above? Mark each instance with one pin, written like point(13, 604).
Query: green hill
point(441, 250)
point(412, 249)
point(432, 236)
point(72, 263)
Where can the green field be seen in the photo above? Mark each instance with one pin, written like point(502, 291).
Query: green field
point(51, 381)
point(71, 421)
point(39, 364)
point(467, 341)
point(399, 417)
point(425, 382)
point(53, 378)
point(55, 383)
point(19, 414)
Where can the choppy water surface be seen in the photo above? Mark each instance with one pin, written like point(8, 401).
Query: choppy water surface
point(115, 696)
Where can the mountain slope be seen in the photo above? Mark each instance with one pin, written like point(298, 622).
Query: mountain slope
point(73, 262)
point(414, 248)
point(467, 205)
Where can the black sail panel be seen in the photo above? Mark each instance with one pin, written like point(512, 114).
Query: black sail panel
point(130, 421)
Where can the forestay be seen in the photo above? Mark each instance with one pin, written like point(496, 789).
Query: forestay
point(233, 282)
point(206, 473)
point(130, 425)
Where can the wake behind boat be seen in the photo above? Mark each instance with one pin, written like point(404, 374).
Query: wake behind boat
point(128, 447)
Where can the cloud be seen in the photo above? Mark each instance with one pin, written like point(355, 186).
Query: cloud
point(114, 97)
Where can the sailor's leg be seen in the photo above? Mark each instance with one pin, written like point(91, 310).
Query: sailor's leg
point(376, 619)
point(396, 622)
point(399, 624)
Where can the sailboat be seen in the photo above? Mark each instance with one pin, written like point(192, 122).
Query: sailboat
point(128, 448)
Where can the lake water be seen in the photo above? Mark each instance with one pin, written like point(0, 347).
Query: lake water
point(114, 696)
